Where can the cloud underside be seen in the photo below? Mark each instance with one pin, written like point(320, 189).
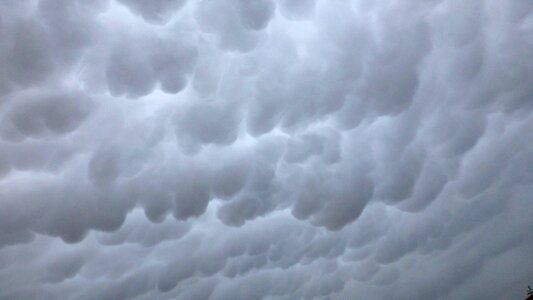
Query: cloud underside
point(268, 149)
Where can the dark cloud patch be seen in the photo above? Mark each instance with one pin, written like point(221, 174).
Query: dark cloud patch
point(104, 165)
point(136, 67)
point(29, 58)
point(241, 209)
point(297, 9)
point(206, 123)
point(255, 14)
point(234, 23)
point(71, 25)
point(129, 73)
point(158, 12)
point(172, 61)
point(41, 115)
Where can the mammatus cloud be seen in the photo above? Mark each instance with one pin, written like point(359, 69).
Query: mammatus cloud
point(267, 149)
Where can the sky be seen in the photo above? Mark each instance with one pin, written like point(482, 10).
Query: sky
point(266, 149)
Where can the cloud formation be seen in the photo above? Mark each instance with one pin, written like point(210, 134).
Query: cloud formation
point(268, 149)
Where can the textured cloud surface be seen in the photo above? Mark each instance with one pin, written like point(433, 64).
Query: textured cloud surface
point(266, 149)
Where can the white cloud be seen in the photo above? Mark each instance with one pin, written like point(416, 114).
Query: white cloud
point(265, 149)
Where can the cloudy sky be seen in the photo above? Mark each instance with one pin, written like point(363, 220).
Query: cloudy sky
point(266, 149)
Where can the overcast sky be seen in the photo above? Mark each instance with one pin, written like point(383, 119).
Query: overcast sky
point(266, 149)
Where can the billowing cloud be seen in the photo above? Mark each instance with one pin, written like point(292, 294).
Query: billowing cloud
point(266, 149)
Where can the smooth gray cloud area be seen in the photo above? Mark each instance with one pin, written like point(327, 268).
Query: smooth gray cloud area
point(266, 149)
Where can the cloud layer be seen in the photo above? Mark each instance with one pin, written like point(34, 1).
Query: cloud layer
point(267, 149)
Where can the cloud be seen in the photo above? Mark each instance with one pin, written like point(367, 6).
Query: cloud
point(265, 149)
point(157, 12)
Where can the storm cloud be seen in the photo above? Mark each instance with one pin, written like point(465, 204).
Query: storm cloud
point(266, 149)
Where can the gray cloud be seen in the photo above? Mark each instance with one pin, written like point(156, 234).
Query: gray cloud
point(157, 12)
point(265, 149)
